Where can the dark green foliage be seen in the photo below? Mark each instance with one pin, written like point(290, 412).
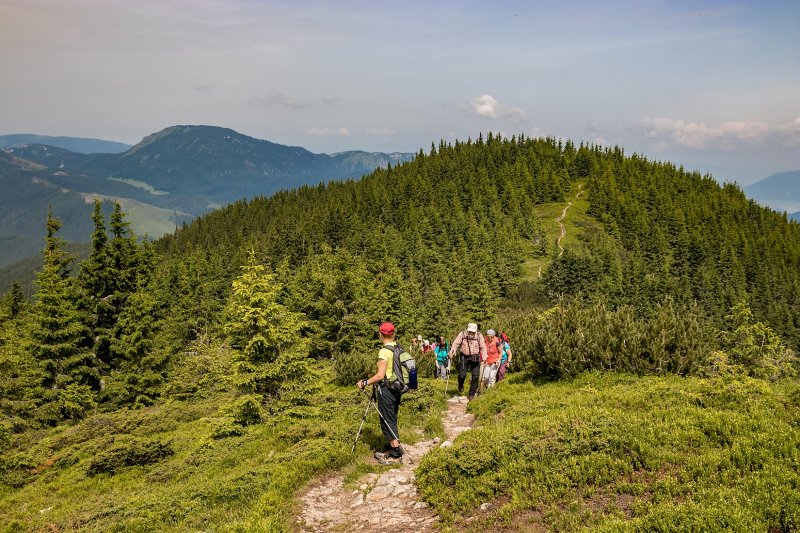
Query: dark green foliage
point(129, 452)
point(59, 340)
point(440, 236)
point(571, 338)
point(117, 265)
point(685, 235)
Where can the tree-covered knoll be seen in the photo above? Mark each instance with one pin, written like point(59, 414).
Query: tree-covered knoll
point(242, 325)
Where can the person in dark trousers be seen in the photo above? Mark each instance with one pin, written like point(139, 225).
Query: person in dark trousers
point(470, 347)
point(388, 401)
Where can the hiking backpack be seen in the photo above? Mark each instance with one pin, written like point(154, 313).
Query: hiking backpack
point(404, 370)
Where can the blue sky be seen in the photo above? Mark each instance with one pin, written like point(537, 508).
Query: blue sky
point(713, 85)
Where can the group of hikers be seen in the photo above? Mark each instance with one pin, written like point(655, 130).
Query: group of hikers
point(484, 357)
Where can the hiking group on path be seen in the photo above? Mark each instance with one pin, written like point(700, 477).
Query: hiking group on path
point(484, 358)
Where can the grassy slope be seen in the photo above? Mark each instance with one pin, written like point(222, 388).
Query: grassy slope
point(619, 453)
point(576, 222)
point(243, 483)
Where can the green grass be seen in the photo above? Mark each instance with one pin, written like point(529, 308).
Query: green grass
point(146, 219)
point(603, 452)
point(576, 223)
point(86, 477)
point(612, 452)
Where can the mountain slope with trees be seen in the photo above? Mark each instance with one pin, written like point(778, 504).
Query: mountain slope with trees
point(166, 180)
point(238, 338)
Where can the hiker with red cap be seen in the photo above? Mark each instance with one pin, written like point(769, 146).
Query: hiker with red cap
point(388, 401)
point(470, 348)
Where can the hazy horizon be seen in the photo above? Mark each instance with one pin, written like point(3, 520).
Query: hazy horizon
point(711, 85)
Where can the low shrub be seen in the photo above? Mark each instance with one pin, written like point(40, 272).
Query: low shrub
point(614, 452)
point(128, 453)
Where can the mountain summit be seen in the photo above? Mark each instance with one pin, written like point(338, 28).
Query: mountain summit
point(222, 164)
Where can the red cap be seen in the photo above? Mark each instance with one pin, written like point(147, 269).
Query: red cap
point(387, 328)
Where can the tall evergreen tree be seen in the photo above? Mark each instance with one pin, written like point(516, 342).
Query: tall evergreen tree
point(59, 339)
point(273, 359)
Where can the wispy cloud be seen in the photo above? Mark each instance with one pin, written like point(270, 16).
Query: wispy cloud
point(379, 132)
point(488, 106)
point(278, 98)
point(595, 135)
point(665, 132)
point(326, 132)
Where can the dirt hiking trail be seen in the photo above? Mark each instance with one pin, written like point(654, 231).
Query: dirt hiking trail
point(560, 221)
point(327, 506)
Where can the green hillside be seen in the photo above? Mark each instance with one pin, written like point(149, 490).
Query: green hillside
point(199, 383)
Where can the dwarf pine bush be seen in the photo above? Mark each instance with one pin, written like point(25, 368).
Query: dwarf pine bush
point(572, 337)
point(614, 452)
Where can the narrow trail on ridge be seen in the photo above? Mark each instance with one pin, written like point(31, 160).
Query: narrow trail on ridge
point(327, 506)
point(560, 221)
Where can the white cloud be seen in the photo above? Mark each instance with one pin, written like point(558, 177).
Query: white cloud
point(665, 132)
point(323, 132)
point(487, 106)
point(379, 132)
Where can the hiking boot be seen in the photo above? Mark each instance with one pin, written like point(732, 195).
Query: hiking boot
point(385, 459)
point(394, 453)
point(471, 397)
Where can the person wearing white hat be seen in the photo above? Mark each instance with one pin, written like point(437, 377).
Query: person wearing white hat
point(470, 347)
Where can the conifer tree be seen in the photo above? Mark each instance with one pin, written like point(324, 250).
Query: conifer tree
point(273, 358)
point(59, 339)
point(143, 362)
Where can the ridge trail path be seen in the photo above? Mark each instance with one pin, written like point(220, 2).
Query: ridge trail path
point(380, 502)
point(560, 221)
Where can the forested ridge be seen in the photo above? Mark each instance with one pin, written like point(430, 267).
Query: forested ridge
point(255, 310)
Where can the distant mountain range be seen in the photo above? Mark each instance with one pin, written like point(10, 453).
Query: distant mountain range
point(780, 192)
point(168, 178)
point(73, 144)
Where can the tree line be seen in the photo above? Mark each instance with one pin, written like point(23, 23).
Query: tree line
point(300, 279)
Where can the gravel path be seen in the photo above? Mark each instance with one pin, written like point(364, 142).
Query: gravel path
point(326, 505)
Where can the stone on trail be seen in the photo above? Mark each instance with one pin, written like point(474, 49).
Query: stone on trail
point(330, 507)
point(359, 500)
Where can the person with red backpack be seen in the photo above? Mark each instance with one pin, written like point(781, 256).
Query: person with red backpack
point(494, 351)
point(470, 347)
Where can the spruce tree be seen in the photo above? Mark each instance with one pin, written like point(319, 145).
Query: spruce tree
point(273, 357)
point(59, 339)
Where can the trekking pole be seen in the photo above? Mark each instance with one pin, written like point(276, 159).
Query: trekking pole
point(447, 381)
point(388, 426)
point(363, 418)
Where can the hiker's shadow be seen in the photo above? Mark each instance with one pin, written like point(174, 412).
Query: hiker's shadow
point(373, 438)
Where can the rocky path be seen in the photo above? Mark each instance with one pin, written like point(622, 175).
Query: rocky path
point(327, 506)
